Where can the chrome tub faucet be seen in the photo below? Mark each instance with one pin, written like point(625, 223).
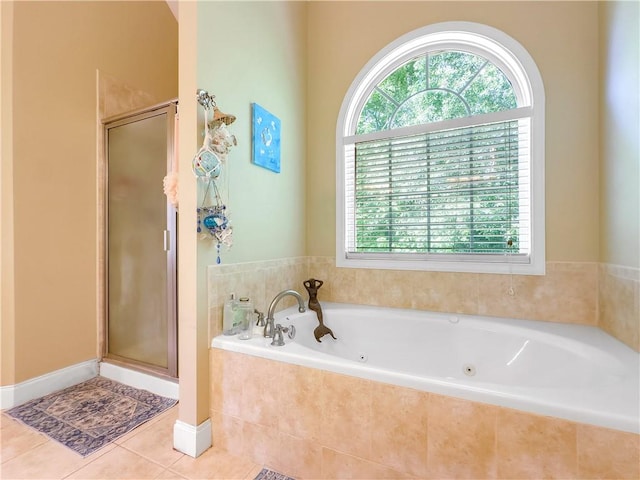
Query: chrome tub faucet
point(269, 327)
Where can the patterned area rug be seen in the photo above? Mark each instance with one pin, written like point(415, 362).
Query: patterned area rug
point(92, 414)
point(267, 474)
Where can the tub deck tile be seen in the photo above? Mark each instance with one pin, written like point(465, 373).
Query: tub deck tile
point(343, 466)
point(366, 429)
point(605, 453)
point(462, 438)
point(399, 428)
point(346, 414)
point(532, 446)
point(301, 402)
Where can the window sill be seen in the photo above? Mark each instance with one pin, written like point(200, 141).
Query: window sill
point(495, 267)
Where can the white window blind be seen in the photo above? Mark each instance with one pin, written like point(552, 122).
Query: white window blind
point(441, 193)
point(440, 156)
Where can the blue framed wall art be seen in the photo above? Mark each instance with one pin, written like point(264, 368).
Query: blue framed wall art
point(265, 138)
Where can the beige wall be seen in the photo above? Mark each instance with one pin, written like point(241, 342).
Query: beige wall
point(561, 37)
point(620, 137)
point(192, 367)
point(619, 272)
point(7, 304)
point(255, 52)
point(246, 52)
point(57, 48)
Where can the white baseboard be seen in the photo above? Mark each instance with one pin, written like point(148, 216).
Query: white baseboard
point(159, 386)
point(190, 440)
point(13, 395)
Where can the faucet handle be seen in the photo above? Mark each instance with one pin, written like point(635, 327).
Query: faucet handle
point(278, 339)
point(290, 331)
point(260, 322)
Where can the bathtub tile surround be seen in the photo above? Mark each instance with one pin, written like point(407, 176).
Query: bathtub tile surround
point(303, 456)
point(571, 292)
point(458, 429)
point(305, 397)
point(536, 447)
point(566, 294)
point(619, 303)
point(340, 465)
point(605, 453)
point(382, 432)
point(396, 432)
point(260, 400)
point(260, 281)
point(342, 396)
point(260, 442)
point(399, 443)
point(394, 441)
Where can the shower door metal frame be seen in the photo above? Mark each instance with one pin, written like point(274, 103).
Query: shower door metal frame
point(169, 109)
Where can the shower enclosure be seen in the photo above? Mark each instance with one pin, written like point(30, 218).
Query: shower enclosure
point(140, 242)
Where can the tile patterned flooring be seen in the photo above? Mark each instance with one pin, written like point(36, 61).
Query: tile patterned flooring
point(144, 453)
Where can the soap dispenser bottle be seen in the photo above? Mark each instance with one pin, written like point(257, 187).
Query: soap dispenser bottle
point(229, 326)
point(244, 318)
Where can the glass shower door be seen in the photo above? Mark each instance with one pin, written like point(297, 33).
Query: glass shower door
point(141, 313)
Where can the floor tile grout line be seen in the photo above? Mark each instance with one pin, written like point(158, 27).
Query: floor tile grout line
point(250, 468)
point(102, 451)
point(98, 453)
point(164, 469)
point(46, 439)
point(123, 445)
point(254, 464)
point(34, 447)
point(150, 459)
point(143, 426)
point(32, 429)
point(109, 451)
point(113, 446)
point(182, 455)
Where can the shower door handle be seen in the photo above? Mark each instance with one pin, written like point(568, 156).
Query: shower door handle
point(167, 240)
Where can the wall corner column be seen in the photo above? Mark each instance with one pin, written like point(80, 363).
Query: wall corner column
point(7, 267)
point(192, 430)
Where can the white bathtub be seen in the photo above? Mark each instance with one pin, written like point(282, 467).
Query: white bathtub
point(574, 372)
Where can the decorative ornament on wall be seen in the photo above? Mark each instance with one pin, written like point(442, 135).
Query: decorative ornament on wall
point(265, 138)
point(208, 166)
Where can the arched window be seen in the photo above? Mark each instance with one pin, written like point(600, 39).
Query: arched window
point(440, 156)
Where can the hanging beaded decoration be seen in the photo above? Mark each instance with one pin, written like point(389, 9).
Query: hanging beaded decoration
point(206, 163)
point(213, 221)
point(207, 166)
